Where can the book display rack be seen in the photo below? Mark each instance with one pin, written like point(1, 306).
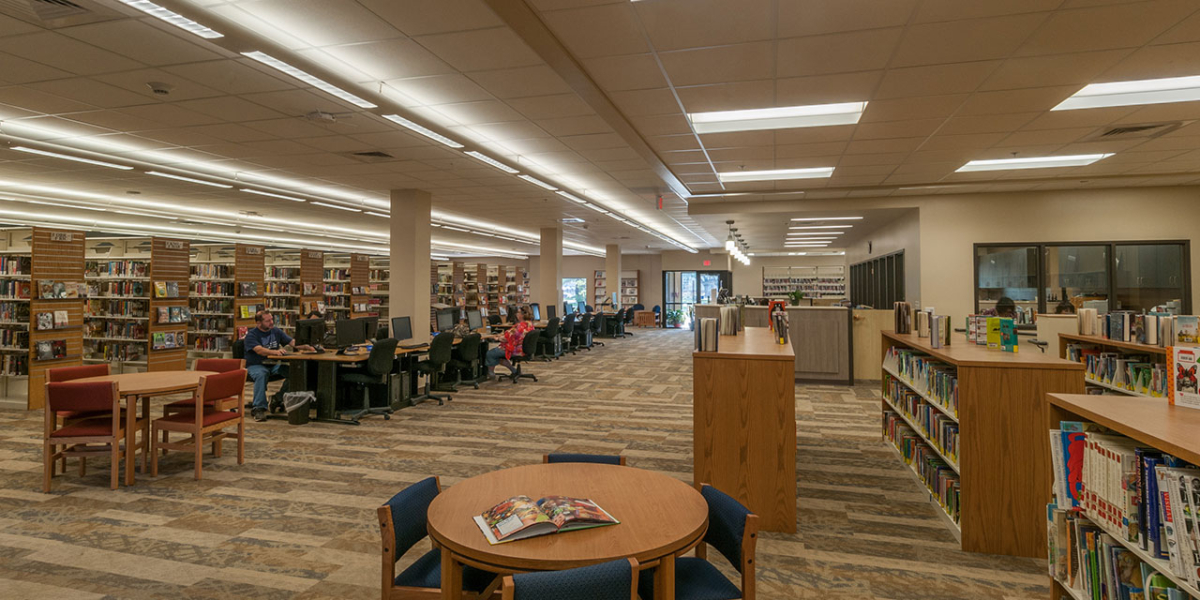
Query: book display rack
point(282, 289)
point(212, 284)
point(117, 311)
point(170, 272)
point(56, 266)
point(1115, 366)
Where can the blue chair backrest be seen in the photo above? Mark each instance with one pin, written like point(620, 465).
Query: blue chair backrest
point(409, 511)
point(605, 581)
point(726, 524)
point(639, 306)
point(602, 459)
point(657, 309)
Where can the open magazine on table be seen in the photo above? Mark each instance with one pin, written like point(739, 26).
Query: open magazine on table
point(522, 517)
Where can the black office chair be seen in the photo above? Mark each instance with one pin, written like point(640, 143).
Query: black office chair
point(382, 332)
point(581, 339)
point(493, 319)
point(547, 347)
point(618, 324)
point(587, 309)
point(466, 357)
point(628, 319)
point(528, 348)
point(512, 317)
point(378, 366)
point(568, 333)
point(598, 324)
point(440, 351)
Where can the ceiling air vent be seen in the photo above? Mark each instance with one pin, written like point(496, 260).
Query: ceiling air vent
point(57, 13)
point(1133, 131)
point(371, 156)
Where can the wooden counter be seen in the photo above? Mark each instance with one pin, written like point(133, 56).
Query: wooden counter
point(744, 421)
point(820, 336)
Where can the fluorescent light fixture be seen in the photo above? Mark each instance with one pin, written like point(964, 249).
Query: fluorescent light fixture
point(571, 197)
point(173, 18)
point(541, 184)
point(816, 233)
point(820, 227)
point(377, 214)
point(1035, 162)
point(421, 129)
point(188, 179)
point(826, 218)
point(775, 175)
point(273, 195)
point(491, 161)
point(595, 208)
point(318, 83)
point(337, 206)
point(1131, 93)
point(69, 157)
point(784, 117)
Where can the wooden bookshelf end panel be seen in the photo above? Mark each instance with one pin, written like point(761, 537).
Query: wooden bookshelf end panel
point(745, 434)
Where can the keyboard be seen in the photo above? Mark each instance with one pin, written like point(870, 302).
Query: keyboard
point(414, 346)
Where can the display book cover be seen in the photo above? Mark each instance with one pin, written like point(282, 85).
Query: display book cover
point(521, 517)
point(1182, 369)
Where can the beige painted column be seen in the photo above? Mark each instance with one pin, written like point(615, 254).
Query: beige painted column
point(612, 271)
point(547, 289)
point(408, 287)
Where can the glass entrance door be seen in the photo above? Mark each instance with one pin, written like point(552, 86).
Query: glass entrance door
point(682, 290)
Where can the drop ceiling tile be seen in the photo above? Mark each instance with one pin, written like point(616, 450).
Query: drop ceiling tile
point(1134, 155)
point(1065, 119)
point(721, 64)
point(113, 120)
point(1187, 30)
point(964, 41)
point(883, 146)
point(1099, 147)
point(836, 53)
point(422, 17)
point(953, 10)
point(1013, 101)
point(14, 69)
point(232, 108)
point(92, 92)
point(600, 140)
point(678, 25)
point(1045, 71)
point(299, 127)
point(181, 137)
point(826, 89)
point(897, 129)
point(935, 80)
point(671, 143)
point(12, 26)
point(333, 143)
point(510, 131)
point(481, 49)
point(642, 103)
point(631, 72)
point(170, 115)
point(551, 107)
point(741, 154)
point(661, 125)
point(1152, 62)
point(605, 30)
point(986, 123)
point(887, 158)
point(141, 41)
point(520, 82)
point(728, 96)
point(1106, 27)
point(927, 157)
point(293, 102)
point(64, 53)
point(862, 170)
point(484, 111)
point(920, 107)
point(736, 139)
point(1045, 137)
point(573, 126)
point(310, 20)
point(961, 142)
point(815, 17)
point(138, 82)
point(230, 76)
point(809, 135)
point(41, 102)
point(389, 60)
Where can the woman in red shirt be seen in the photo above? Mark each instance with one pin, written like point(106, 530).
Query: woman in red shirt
point(510, 343)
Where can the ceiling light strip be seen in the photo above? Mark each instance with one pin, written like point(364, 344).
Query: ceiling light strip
point(775, 175)
point(784, 117)
point(337, 206)
point(491, 161)
point(79, 159)
point(173, 18)
point(271, 194)
point(1033, 162)
point(538, 182)
point(1133, 93)
point(421, 129)
point(316, 82)
point(188, 179)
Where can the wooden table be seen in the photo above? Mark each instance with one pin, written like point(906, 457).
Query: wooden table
point(644, 318)
point(661, 517)
point(143, 386)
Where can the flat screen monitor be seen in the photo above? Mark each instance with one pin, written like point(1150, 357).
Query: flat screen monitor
point(350, 332)
point(370, 326)
point(445, 319)
point(474, 319)
point(550, 310)
point(537, 311)
point(402, 328)
point(310, 332)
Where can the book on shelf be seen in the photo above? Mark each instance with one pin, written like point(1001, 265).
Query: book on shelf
point(902, 312)
point(45, 320)
point(1144, 374)
point(707, 338)
point(521, 517)
point(1181, 369)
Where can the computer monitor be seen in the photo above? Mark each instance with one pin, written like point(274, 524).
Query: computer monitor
point(537, 311)
point(370, 326)
point(350, 332)
point(445, 319)
point(474, 319)
point(310, 332)
point(402, 328)
point(550, 310)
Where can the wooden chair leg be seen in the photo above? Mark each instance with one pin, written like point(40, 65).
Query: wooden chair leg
point(199, 446)
point(241, 442)
point(154, 453)
point(116, 462)
point(166, 439)
point(216, 448)
point(48, 461)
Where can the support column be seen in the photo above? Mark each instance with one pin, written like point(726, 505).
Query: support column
point(408, 287)
point(547, 290)
point(612, 270)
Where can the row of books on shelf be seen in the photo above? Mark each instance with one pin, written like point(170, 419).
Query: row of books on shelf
point(14, 365)
point(212, 305)
point(208, 288)
point(133, 289)
point(283, 272)
point(940, 429)
point(14, 338)
point(1153, 329)
point(340, 274)
point(116, 329)
point(224, 324)
point(212, 271)
point(212, 343)
point(14, 312)
point(114, 268)
point(939, 478)
point(114, 308)
point(14, 288)
point(15, 265)
point(1112, 496)
point(275, 287)
point(1140, 373)
point(114, 351)
point(925, 375)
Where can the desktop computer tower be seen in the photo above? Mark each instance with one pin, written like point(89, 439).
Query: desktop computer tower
point(399, 390)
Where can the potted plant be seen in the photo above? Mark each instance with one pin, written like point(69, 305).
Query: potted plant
point(674, 317)
point(796, 296)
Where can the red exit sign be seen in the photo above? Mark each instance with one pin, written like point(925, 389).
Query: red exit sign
point(708, 263)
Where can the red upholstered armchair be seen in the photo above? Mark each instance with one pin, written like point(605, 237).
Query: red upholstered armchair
point(204, 421)
point(100, 433)
point(61, 374)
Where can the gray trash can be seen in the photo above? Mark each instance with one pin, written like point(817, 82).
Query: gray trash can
point(297, 405)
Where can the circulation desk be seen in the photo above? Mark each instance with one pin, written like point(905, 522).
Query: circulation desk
point(744, 400)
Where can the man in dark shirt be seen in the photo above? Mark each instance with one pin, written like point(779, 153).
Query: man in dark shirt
point(265, 341)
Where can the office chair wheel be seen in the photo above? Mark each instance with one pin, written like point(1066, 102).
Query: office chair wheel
point(387, 417)
point(535, 378)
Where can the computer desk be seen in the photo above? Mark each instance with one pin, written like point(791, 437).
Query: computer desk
point(327, 363)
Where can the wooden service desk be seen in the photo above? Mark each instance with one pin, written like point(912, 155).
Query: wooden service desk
point(744, 421)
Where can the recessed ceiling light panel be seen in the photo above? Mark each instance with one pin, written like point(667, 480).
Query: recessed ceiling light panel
point(1133, 93)
point(775, 175)
point(316, 82)
point(1035, 162)
point(173, 18)
point(784, 117)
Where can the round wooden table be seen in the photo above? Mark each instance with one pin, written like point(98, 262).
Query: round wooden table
point(142, 386)
point(660, 517)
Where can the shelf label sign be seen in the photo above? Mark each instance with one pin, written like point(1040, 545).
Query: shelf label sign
point(253, 250)
point(173, 245)
point(315, 255)
point(62, 236)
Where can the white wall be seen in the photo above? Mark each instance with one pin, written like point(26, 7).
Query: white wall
point(903, 233)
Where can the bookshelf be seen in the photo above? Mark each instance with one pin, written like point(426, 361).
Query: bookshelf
point(336, 281)
point(459, 271)
point(211, 297)
point(1001, 451)
point(16, 257)
point(1151, 423)
point(117, 311)
point(442, 290)
point(629, 288)
point(1158, 354)
point(312, 284)
point(496, 274)
point(360, 273)
point(281, 287)
point(378, 290)
point(248, 269)
point(56, 257)
point(470, 286)
point(599, 288)
point(815, 282)
point(170, 273)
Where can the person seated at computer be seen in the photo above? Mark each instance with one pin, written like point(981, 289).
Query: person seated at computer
point(509, 343)
point(265, 341)
point(462, 329)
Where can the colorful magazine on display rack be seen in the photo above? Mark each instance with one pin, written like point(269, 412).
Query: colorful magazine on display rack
point(521, 517)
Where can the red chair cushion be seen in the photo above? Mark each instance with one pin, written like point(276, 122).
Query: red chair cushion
point(223, 385)
point(79, 414)
point(86, 428)
point(219, 365)
point(210, 418)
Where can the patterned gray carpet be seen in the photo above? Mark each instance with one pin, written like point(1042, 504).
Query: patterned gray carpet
point(298, 519)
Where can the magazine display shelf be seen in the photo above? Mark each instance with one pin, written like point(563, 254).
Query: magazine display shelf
point(211, 332)
point(1112, 346)
point(1003, 451)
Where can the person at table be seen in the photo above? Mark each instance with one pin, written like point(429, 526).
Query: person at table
point(509, 343)
point(461, 330)
point(266, 341)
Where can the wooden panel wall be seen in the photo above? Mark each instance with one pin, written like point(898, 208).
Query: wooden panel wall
point(360, 280)
point(169, 262)
point(249, 267)
point(57, 256)
point(312, 273)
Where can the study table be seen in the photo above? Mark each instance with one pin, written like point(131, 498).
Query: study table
point(133, 387)
point(660, 518)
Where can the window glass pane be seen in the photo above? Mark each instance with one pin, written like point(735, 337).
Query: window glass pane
point(1150, 275)
point(1007, 282)
point(1076, 277)
point(574, 290)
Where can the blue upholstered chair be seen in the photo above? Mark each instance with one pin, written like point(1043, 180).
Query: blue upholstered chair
point(616, 580)
point(602, 459)
point(733, 531)
point(402, 523)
